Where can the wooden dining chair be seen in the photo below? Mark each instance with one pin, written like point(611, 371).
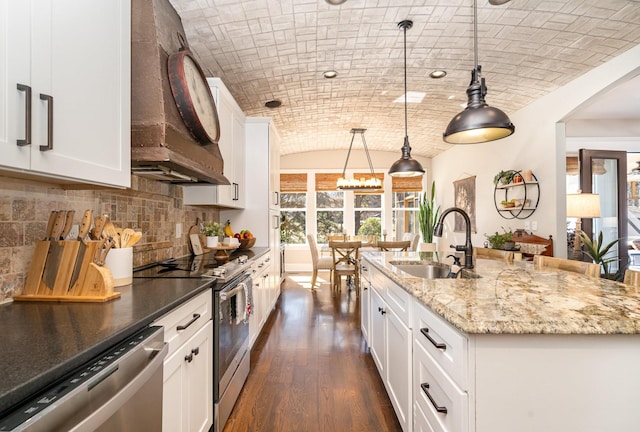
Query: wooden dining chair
point(346, 262)
point(394, 245)
point(632, 277)
point(490, 253)
point(319, 263)
point(589, 269)
point(336, 237)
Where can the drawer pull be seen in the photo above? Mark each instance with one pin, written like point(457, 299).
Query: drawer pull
point(49, 100)
point(195, 351)
point(425, 332)
point(425, 389)
point(194, 319)
point(382, 311)
point(188, 358)
point(27, 115)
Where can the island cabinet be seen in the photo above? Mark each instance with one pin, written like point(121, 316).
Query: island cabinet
point(440, 365)
point(65, 91)
point(390, 343)
point(365, 299)
point(187, 399)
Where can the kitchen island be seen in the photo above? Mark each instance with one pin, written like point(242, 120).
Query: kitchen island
point(510, 348)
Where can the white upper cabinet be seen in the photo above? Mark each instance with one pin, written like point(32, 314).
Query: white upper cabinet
point(232, 149)
point(65, 91)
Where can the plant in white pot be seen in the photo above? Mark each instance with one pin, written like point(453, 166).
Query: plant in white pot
point(212, 230)
point(428, 214)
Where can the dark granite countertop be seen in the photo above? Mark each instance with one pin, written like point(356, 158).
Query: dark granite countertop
point(43, 341)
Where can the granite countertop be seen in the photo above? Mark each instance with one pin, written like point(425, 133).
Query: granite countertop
point(43, 341)
point(516, 299)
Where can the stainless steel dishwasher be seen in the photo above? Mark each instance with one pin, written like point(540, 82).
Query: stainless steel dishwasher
point(119, 391)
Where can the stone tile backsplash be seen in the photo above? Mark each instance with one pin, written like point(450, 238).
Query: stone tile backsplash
point(149, 206)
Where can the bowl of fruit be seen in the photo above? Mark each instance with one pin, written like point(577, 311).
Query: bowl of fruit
point(246, 239)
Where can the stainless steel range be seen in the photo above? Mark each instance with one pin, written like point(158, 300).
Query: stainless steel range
point(232, 300)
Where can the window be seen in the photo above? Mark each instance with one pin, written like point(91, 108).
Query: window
point(405, 203)
point(293, 208)
point(368, 214)
point(329, 207)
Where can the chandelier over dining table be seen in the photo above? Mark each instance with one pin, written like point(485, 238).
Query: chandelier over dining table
point(362, 183)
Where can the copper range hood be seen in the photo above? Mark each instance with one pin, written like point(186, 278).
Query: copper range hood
point(161, 146)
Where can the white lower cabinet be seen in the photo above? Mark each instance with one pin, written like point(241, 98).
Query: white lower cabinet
point(390, 344)
point(187, 395)
point(261, 278)
point(188, 385)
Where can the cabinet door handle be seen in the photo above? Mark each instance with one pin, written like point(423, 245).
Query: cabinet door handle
point(194, 319)
point(276, 198)
point(425, 332)
point(27, 115)
point(236, 192)
point(49, 100)
point(195, 351)
point(188, 358)
point(382, 311)
point(425, 389)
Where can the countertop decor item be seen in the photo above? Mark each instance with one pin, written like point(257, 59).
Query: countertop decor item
point(362, 183)
point(428, 214)
point(478, 122)
point(406, 166)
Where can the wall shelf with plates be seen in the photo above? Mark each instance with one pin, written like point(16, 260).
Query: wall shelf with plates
point(518, 199)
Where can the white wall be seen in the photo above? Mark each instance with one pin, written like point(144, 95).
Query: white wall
point(538, 144)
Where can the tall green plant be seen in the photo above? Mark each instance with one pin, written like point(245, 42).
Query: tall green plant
point(597, 251)
point(428, 214)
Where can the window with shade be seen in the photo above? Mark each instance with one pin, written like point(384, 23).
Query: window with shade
point(329, 207)
point(406, 192)
point(293, 208)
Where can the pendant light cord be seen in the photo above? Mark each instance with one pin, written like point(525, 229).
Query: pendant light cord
point(475, 33)
point(406, 128)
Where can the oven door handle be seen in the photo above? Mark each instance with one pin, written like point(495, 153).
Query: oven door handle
point(232, 291)
point(104, 412)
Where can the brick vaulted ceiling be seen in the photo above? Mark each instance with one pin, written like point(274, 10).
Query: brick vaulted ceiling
point(279, 49)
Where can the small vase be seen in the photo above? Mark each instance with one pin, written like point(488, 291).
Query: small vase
point(212, 242)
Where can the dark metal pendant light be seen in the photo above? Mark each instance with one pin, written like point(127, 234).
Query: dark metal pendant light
point(478, 122)
point(406, 166)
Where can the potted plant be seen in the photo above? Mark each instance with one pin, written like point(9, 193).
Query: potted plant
point(428, 214)
point(504, 177)
point(212, 230)
point(598, 251)
point(501, 241)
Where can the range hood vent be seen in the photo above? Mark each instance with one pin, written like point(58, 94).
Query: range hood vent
point(162, 147)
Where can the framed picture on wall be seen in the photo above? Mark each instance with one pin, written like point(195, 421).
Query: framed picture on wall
point(465, 199)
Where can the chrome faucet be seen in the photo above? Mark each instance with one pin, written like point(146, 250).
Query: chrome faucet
point(468, 247)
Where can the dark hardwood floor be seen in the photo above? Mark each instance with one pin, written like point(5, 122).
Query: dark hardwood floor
point(311, 369)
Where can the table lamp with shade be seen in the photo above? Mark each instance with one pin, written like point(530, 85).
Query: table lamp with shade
point(581, 205)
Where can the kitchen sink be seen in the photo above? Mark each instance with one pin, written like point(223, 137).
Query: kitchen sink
point(431, 270)
point(428, 270)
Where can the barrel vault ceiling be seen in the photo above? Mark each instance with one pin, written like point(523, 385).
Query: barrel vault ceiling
point(278, 50)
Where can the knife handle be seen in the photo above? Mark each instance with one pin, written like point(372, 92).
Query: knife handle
point(52, 221)
point(58, 226)
point(68, 223)
point(85, 224)
point(98, 226)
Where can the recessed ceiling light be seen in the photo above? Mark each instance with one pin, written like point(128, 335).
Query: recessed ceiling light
point(335, 2)
point(451, 97)
point(438, 74)
point(273, 103)
point(330, 74)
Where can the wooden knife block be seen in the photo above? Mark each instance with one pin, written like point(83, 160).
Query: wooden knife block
point(94, 283)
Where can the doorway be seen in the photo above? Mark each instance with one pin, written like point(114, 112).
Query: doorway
point(604, 173)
